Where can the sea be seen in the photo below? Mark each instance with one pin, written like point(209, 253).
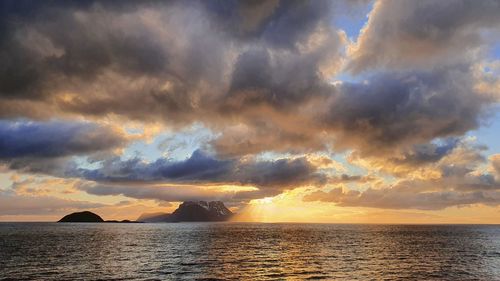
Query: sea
point(248, 251)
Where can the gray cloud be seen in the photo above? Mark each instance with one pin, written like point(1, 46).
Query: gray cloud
point(45, 147)
point(345, 178)
point(278, 23)
point(182, 71)
point(427, 153)
point(495, 163)
point(394, 110)
point(262, 71)
point(80, 48)
point(425, 33)
point(49, 147)
point(160, 62)
point(28, 139)
point(163, 193)
point(388, 113)
point(196, 176)
point(203, 168)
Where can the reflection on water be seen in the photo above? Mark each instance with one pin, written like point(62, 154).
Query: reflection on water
point(248, 251)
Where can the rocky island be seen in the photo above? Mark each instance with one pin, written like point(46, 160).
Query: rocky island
point(189, 211)
point(192, 211)
point(201, 211)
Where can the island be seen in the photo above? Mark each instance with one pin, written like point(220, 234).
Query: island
point(87, 216)
point(189, 211)
point(192, 211)
point(84, 216)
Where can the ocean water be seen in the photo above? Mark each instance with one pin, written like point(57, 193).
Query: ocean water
point(233, 251)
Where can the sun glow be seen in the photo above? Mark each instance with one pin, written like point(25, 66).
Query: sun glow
point(263, 201)
point(288, 207)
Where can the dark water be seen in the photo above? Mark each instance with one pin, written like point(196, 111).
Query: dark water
point(49, 251)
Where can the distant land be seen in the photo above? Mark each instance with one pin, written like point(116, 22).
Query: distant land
point(189, 211)
point(154, 217)
point(85, 216)
point(200, 211)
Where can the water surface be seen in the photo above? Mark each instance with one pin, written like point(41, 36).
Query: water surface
point(50, 251)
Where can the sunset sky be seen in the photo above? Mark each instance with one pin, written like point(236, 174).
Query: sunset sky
point(320, 111)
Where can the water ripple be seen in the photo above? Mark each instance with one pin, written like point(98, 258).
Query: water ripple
point(224, 251)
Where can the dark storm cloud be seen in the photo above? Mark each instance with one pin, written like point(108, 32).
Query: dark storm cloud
point(261, 77)
point(197, 167)
point(83, 48)
point(137, 179)
point(27, 139)
point(259, 64)
point(166, 49)
point(294, 20)
point(424, 33)
point(203, 168)
point(393, 110)
point(279, 23)
point(396, 114)
point(36, 49)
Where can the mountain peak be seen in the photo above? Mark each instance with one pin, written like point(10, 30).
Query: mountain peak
point(201, 211)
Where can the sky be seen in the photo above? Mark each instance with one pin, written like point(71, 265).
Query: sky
point(287, 111)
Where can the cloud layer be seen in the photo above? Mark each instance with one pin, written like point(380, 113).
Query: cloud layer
point(264, 77)
point(457, 178)
point(11, 204)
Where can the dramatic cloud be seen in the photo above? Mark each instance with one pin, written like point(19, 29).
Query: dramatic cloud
point(270, 177)
point(272, 82)
point(458, 180)
point(420, 34)
point(387, 113)
point(401, 110)
point(249, 74)
point(156, 59)
point(27, 139)
point(165, 193)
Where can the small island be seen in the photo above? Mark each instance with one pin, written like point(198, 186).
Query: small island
point(87, 216)
point(84, 216)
